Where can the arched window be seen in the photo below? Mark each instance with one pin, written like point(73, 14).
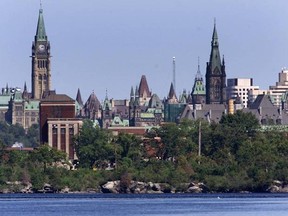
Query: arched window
point(217, 89)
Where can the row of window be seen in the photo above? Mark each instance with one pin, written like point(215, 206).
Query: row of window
point(42, 64)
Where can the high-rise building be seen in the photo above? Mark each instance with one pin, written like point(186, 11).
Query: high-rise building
point(215, 74)
point(281, 87)
point(240, 88)
point(41, 66)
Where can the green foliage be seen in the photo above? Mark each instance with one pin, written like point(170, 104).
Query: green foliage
point(10, 134)
point(46, 156)
point(93, 146)
point(235, 156)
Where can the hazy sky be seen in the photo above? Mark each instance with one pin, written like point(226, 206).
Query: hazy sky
point(108, 44)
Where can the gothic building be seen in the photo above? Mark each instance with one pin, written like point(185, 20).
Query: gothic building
point(41, 67)
point(23, 107)
point(145, 109)
point(215, 74)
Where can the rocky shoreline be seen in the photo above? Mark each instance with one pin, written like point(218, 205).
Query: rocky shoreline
point(134, 187)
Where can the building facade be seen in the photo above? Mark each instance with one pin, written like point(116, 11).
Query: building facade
point(58, 123)
point(240, 88)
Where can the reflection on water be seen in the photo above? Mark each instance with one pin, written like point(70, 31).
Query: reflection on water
point(156, 205)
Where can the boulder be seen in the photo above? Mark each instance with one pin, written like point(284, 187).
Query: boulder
point(111, 187)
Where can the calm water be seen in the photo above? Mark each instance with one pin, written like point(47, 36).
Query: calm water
point(156, 205)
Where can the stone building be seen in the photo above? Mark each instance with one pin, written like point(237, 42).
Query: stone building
point(145, 109)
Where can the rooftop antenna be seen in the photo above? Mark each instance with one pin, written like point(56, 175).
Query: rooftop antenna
point(41, 4)
point(174, 74)
point(198, 64)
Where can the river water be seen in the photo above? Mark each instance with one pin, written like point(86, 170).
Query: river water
point(156, 205)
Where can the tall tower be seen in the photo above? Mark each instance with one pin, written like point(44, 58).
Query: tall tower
point(215, 74)
point(41, 68)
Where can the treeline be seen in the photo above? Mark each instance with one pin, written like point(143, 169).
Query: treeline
point(11, 134)
point(231, 156)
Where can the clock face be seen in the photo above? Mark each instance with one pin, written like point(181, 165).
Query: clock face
point(41, 47)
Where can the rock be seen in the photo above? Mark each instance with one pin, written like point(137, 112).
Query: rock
point(194, 189)
point(156, 187)
point(27, 188)
point(65, 190)
point(111, 187)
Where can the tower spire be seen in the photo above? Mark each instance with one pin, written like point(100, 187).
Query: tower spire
point(198, 74)
point(215, 73)
point(40, 31)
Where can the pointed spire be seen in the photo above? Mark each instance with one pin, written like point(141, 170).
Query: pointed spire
point(214, 36)
point(25, 93)
point(143, 87)
point(25, 87)
point(132, 96)
point(106, 96)
point(79, 98)
point(132, 93)
point(136, 92)
point(223, 61)
point(172, 93)
point(40, 32)
point(137, 100)
point(198, 74)
point(215, 58)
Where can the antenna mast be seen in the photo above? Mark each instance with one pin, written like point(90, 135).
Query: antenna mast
point(174, 74)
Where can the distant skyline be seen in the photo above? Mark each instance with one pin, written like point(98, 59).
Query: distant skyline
point(98, 45)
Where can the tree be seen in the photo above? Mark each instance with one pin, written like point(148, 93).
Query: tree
point(46, 156)
point(33, 136)
point(130, 146)
point(93, 146)
point(174, 140)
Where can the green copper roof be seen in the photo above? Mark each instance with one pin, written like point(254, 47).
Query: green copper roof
point(40, 32)
point(4, 101)
point(31, 105)
point(198, 88)
point(215, 58)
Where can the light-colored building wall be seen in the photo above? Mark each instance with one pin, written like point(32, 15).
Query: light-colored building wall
point(60, 134)
point(252, 95)
point(280, 88)
point(240, 87)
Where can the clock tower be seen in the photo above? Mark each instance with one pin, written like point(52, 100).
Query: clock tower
point(41, 68)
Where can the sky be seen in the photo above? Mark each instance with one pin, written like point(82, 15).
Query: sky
point(108, 45)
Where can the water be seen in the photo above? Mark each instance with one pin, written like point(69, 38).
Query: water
point(146, 205)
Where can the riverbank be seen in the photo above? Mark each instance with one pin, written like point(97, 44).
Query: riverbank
point(133, 187)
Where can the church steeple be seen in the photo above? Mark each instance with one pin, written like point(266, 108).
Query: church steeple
point(215, 73)
point(41, 32)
